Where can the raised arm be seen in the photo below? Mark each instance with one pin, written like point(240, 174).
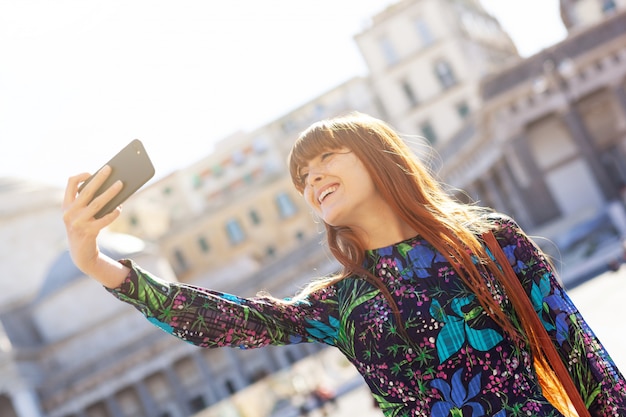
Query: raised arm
point(82, 228)
point(199, 316)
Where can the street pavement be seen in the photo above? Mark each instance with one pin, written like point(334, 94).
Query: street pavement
point(598, 300)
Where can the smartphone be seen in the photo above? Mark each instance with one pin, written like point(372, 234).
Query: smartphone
point(132, 166)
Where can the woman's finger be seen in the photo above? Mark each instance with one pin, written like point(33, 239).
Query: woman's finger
point(87, 190)
point(72, 188)
point(101, 200)
point(108, 218)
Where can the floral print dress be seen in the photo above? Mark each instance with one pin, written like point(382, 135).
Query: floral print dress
point(459, 362)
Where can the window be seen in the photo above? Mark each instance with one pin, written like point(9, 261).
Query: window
point(254, 217)
point(409, 93)
point(615, 165)
point(204, 245)
point(159, 389)
point(428, 131)
point(463, 109)
point(608, 6)
point(230, 387)
point(291, 356)
point(286, 207)
point(389, 51)
point(423, 31)
point(180, 259)
point(444, 73)
point(289, 126)
point(258, 375)
point(235, 231)
point(97, 410)
point(248, 178)
point(196, 181)
point(238, 158)
point(260, 145)
point(217, 170)
point(129, 403)
point(197, 404)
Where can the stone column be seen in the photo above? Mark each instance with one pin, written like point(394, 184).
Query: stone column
point(617, 214)
point(494, 194)
point(620, 95)
point(512, 194)
point(541, 205)
point(207, 377)
point(283, 356)
point(583, 140)
point(150, 407)
point(25, 403)
point(113, 406)
point(273, 364)
point(179, 393)
point(237, 373)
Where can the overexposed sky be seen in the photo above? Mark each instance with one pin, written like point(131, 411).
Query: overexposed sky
point(80, 78)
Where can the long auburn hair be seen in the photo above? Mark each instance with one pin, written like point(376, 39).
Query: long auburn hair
point(414, 195)
point(450, 226)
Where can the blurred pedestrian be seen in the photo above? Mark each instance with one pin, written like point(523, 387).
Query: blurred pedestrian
point(324, 398)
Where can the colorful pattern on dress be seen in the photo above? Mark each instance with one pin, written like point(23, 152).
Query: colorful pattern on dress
point(459, 362)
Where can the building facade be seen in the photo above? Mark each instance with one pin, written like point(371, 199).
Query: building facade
point(426, 59)
point(31, 237)
point(579, 14)
point(549, 145)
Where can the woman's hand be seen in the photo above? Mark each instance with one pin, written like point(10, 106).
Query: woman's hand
point(82, 227)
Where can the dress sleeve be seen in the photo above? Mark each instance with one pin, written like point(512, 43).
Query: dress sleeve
point(209, 318)
point(600, 383)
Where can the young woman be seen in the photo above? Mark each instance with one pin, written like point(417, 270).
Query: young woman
point(418, 308)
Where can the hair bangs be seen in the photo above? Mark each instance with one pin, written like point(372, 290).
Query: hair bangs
point(310, 144)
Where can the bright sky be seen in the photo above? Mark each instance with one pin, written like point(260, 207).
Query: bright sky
point(80, 78)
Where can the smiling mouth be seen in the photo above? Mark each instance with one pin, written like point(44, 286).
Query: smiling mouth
point(326, 193)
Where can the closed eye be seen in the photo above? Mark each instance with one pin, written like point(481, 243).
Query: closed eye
point(302, 177)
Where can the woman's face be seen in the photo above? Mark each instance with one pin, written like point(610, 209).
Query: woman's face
point(339, 189)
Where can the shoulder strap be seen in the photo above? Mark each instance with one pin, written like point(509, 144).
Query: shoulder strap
point(556, 382)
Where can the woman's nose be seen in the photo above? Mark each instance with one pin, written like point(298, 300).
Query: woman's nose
point(314, 176)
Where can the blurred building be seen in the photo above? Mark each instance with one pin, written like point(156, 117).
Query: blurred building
point(29, 220)
point(549, 144)
point(426, 60)
point(542, 139)
point(579, 14)
point(31, 237)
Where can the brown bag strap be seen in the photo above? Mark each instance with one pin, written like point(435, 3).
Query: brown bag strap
point(540, 341)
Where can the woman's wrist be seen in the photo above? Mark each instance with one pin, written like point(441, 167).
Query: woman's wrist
point(109, 272)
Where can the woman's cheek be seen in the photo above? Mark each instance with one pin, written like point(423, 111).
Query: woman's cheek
point(308, 197)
